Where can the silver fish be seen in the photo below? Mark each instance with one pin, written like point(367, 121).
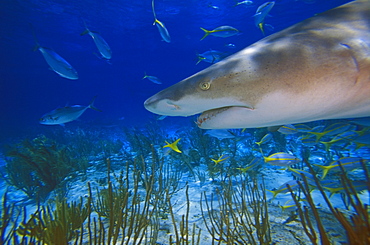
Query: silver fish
point(100, 43)
point(55, 61)
point(58, 64)
point(66, 114)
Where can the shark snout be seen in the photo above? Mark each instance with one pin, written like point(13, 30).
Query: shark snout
point(151, 103)
point(161, 106)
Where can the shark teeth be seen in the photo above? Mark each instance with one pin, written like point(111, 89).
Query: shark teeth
point(206, 115)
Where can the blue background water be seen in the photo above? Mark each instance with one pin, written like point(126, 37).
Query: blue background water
point(29, 89)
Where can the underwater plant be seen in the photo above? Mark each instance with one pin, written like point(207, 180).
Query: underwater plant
point(241, 215)
point(89, 142)
point(130, 220)
point(356, 224)
point(57, 226)
point(139, 142)
point(182, 233)
point(8, 221)
point(155, 133)
point(40, 165)
point(167, 175)
point(131, 213)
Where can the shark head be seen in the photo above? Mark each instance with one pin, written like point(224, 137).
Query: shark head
point(210, 92)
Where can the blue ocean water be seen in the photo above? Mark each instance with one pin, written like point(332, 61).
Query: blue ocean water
point(30, 89)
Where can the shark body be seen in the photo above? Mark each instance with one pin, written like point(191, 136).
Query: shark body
point(317, 69)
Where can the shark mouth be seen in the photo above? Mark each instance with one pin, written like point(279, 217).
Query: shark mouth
point(208, 115)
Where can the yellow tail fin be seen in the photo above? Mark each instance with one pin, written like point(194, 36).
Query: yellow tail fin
point(206, 33)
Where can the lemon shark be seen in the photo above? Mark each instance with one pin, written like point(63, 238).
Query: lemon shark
point(316, 69)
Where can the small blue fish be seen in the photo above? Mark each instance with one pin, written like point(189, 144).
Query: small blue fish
point(58, 64)
point(100, 43)
point(364, 121)
point(338, 139)
point(230, 45)
point(213, 6)
point(333, 129)
point(245, 2)
point(221, 31)
point(152, 79)
point(161, 27)
point(66, 114)
point(290, 206)
point(160, 118)
point(299, 172)
point(303, 128)
point(261, 13)
point(220, 159)
point(264, 139)
point(287, 129)
point(348, 164)
point(254, 163)
point(363, 139)
point(282, 159)
point(220, 133)
point(337, 128)
point(358, 186)
point(293, 184)
point(212, 56)
point(55, 61)
point(308, 140)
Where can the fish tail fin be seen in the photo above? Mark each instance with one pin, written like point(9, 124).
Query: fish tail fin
point(145, 76)
point(261, 26)
point(274, 193)
point(37, 44)
point(325, 169)
point(214, 61)
point(206, 33)
point(155, 17)
point(327, 144)
point(331, 190)
point(84, 32)
point(91, 105)
point(324, 172)
point(200, 58)
point(36, 47)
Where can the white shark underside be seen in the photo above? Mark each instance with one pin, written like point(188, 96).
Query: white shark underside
point(316, 69)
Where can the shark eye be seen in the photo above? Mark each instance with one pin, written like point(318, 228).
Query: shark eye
point(205, 85)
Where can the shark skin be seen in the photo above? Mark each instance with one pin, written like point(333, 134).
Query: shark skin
point(316, 69)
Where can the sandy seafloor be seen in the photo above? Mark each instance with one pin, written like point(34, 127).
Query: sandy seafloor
point(273, 176)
